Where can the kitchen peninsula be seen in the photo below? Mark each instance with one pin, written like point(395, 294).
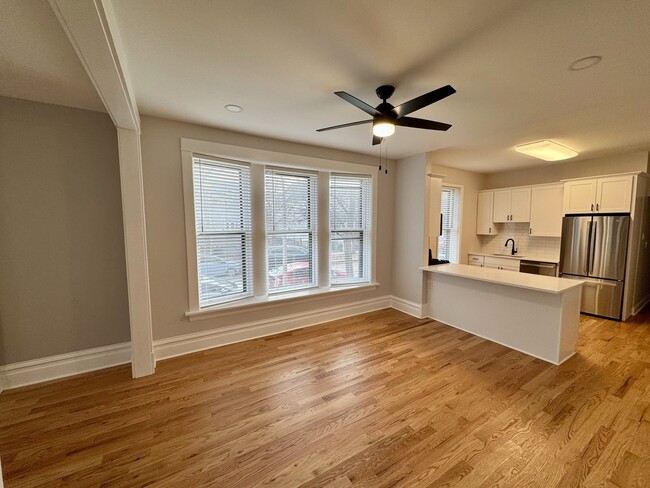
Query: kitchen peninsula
point(537, 315)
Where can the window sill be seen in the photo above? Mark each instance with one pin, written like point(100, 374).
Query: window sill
point(269, 301)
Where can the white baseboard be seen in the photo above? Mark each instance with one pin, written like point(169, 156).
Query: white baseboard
point(199, 341)
point(407, 306)
point(54, 367)
point(639, 306)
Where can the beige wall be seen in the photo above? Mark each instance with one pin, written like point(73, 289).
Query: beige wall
point(62, 266)
point(410, 215)
point(166, 225)
point(409, 235)
point(471, 183)
point(550, 173)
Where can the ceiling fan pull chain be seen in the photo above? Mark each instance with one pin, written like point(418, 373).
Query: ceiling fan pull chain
point(385, 155)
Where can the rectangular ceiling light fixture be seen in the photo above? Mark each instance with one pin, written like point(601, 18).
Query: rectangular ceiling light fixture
point(547, 150)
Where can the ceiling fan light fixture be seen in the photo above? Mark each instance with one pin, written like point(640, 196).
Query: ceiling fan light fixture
point(383, 128)
point(547, 150)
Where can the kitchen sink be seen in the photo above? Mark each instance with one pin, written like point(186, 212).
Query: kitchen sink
point(508, 255)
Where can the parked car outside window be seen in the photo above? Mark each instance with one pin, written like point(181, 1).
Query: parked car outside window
point(217, 266)
point(293, 254)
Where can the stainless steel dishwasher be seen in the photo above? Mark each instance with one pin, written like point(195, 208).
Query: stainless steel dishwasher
point(538, 268)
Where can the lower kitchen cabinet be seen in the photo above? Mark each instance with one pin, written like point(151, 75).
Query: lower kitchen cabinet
point(501, 263)
point(475, 260)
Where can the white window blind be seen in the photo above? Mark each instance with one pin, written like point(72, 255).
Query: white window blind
point(222, 205)
point(448, 242)
point(291, 199)
point(350, 229)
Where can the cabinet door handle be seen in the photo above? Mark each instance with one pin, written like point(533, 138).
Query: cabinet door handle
point(489, 230)
point(592, 207)
point(597, 207)
point(530, 231)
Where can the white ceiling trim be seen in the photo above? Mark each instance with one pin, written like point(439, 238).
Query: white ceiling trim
point(87, 23)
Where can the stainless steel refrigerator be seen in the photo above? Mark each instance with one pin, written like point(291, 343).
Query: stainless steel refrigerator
point(594, 249)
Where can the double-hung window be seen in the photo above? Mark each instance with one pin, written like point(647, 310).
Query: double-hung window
point(350, 229)
point(449, 240)
point(291, 212)
point(222, 207)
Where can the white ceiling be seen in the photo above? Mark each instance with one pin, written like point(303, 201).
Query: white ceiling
point(283, 59)
point(37, 62)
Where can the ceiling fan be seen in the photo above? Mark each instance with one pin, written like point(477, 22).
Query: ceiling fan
point(385, 116)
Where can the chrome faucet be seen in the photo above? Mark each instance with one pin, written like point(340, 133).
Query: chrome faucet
point(514, 249)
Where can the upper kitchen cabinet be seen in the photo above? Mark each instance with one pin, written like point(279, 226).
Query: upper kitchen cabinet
point(546, 210)
point(609, 194)
point(512, 205)
point(614, 194)
point(484, 222)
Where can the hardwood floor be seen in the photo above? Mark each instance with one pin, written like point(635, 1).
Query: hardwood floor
point(377, 400)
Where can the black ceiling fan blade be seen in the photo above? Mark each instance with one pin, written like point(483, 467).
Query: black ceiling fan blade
point(421, 123)
point(376, 140)
point(424, 100)
point(369, 109)
point(351, 124)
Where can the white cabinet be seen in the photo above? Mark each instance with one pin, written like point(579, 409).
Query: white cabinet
point(609, 194)
point(546, 210)
point(512, 205)
point(520, 205)
point(484, 222)
point(501, 206)
point(475, 260)
point(614, 194)
point(501, 263)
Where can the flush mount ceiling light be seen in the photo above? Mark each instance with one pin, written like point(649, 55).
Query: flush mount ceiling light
point(547, 150)
point(585, 63)
point(233, 108)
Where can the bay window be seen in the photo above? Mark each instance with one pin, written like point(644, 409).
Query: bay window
point(265, 227)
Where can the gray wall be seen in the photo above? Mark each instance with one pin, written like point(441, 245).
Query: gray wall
point(62, 266)
point(164, 206)
point(410, 200)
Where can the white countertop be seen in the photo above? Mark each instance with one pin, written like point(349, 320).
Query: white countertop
point(546, 284)
point(524, 257)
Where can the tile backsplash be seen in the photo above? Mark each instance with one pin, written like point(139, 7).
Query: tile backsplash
point(527, 245)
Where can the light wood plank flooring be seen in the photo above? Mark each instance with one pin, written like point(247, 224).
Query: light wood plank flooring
point(377, 400)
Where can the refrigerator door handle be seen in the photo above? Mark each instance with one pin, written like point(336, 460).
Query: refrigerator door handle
point(592, 251)
point(589, 224)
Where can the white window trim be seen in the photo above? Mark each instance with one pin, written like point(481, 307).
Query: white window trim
point(460, 215)
point(259, 158)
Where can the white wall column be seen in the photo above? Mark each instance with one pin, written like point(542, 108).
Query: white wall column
point(135, 238)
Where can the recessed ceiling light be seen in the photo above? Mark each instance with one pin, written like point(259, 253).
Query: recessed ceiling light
point(584, 63)
point(233, 108)
point(547, 150)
